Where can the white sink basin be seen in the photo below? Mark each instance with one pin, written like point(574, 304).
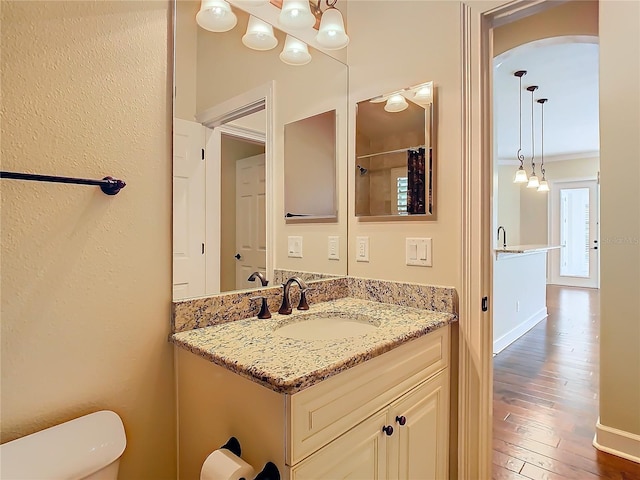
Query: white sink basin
point(327, 326)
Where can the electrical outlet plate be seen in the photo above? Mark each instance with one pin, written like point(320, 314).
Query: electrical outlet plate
point(419, 252)
point(334, 248)
point(295, 247)
point(362, 249)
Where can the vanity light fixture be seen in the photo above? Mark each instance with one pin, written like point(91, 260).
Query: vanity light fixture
point(295, 52)
point(396, 103)
point(331, 34)
point(216, 16)
point(544, 186)
point(296, 14)
point(521, 174)
point(533, 179)
point(259, 35)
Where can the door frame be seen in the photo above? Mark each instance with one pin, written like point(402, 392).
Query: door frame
point(216, 119)
point(475, 399)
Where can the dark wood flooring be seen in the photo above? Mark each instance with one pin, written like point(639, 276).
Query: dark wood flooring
point(545, 391)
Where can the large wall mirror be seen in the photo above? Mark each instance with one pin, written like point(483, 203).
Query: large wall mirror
point(231, 106)
point(395, 154)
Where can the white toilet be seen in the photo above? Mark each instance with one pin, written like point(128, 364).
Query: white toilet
point(86, 448)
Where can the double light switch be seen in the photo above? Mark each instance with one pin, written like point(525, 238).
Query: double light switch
point(419, 252)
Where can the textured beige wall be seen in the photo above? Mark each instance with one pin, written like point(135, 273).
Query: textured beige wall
point(620, 225)
point(421, 42)
point(186, 51)
point(86, 278)
point(508, 203)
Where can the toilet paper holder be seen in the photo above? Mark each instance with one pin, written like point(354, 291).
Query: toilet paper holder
point(269, 471)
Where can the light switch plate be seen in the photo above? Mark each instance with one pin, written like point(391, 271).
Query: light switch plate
point(362, 249)
point(295, 247)
point(334, 248)
point(419, 252)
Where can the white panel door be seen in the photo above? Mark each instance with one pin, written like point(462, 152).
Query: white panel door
point(575, 227)
point(251, 237)
point(188, 209)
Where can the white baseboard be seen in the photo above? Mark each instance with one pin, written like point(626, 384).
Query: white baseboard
point(515, 333)
point(617, 442)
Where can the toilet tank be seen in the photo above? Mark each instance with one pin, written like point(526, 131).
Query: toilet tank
point(75, 449)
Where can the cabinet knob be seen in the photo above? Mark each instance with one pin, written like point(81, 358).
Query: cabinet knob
point(401, 419)
point(388, 429)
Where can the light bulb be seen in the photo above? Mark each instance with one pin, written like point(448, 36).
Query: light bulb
point(216, 16)
point(259, 35)
point(295, 52)
point(296, 14)
point(521, 176)
point(331, 34)
point(396, 103)
point(533, 181)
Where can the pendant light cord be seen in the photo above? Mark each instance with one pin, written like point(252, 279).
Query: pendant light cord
point(532, 89)
point(520, 74)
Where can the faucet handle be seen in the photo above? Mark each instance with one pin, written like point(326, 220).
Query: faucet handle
point(303, 305)
point(264, 312)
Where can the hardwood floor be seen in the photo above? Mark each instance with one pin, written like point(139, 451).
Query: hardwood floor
point(546, 397)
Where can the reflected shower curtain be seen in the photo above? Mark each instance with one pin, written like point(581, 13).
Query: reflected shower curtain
point(416, 181)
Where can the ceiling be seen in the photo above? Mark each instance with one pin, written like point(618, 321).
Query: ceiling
point(567, 75)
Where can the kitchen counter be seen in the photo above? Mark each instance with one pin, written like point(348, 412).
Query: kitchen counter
point(525, 248)
point(252, 348)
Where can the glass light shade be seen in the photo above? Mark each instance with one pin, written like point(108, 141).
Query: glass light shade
point(396, 103)
point(423, 95)
point(295, 52)
point(521, 176)
point(254, 3)
point(331, 34)
point(544, 186)
point(259, 35)
point(533, 181)
point(296, 14)
point(216, 16)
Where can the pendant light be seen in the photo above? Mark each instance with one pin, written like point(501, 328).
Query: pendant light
point(533, 179)
point(544, 186)
point(331, 34)
point(296, 14)
point(295, 52)
point(521, 174)
point(259, 35)
point(216, 16)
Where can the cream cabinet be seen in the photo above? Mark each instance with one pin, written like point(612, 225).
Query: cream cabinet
point(386, 418)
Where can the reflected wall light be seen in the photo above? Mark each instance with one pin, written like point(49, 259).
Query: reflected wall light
point(295, 52)
point(216, 16)
point(331, 34)
point(259, 35)
point(544, 186)
point(521, 174)
point(296, 14)
point(396, 103)
point(533, 179)
point(421, 94)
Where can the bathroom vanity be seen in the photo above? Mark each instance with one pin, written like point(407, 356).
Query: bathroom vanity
point(372, 405)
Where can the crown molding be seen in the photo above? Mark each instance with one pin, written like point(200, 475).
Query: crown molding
point(553, 158)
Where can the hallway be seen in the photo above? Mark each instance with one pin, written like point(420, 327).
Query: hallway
point(546, 397)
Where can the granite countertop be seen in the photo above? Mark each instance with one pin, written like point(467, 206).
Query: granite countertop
point(525, 248)
point(253, 349)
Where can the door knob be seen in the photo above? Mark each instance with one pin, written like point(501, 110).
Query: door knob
point(388, 429)
point(238, 256)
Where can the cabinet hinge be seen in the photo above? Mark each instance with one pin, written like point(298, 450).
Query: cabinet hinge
point(203, 154)
point(485, 304)
point(203, 249)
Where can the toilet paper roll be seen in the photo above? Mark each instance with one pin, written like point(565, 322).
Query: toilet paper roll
point(224, 465)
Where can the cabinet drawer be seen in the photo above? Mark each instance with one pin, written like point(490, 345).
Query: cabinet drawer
point(324, 411)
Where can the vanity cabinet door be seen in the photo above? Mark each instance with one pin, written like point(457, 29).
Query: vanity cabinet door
point(359, 454)
point(419, 449)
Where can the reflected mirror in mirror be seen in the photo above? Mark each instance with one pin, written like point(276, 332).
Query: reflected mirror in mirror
point(310, 169)
point(395, 156)
point(231, 105)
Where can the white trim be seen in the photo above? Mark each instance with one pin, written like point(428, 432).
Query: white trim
point(216, 117)
point(617, 442)
point(556, 158)
point(511, 336)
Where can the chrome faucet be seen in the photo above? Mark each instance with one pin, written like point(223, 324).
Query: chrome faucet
point(504, 243)
point(259, 275)
point(285, 308)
